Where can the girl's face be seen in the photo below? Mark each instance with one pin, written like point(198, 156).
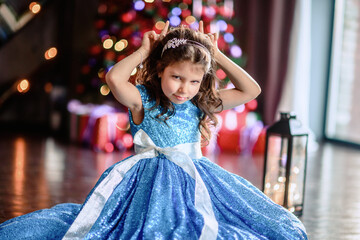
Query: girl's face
point(181, 81)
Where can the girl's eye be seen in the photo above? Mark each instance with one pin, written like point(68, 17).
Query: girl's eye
point(195, 82)
point(176, 77)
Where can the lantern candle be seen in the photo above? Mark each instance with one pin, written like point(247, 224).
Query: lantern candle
point(285, 163)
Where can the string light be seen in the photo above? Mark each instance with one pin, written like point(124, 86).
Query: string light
point(108, 43)
point(50, 53)
point(190, 20)
point(160, 25)
point(126, 43)
point(35, 7)
point(23, 86)
point(104, 90)
point(119, 46)
point(101, 73)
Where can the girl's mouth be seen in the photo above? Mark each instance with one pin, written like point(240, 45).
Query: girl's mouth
point(180, 98)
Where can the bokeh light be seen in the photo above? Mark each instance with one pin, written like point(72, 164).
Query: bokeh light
point(126, 43)
point(210, 12)
point(176, 11)
point(228, 37)
point(252, 105)
point(190, 20)
point(119, 46)
point(139, 5)
point(127, 140)
point(109, 147)
point(183, 6)
point(160, 25)
point(23, 86)
point(235, 51)
point(48, 87)
point(35, 7)
point(104, 90)
point(175, 21)
point(108, 43)
point(221, 25)
point(101, 73)
point(50, 53)
point(102, 8)
point(220, 74)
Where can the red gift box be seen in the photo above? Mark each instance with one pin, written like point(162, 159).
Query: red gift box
point(229, 135)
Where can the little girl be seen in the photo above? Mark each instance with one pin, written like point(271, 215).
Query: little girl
point(168, 190)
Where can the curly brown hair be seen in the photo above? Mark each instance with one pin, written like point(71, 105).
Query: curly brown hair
point(207, 99)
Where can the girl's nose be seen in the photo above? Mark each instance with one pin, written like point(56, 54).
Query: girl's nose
point(182, 88)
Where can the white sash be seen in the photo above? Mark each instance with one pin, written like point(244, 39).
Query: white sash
point(181, 155)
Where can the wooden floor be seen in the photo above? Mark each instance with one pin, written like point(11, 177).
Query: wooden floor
point(37, 172)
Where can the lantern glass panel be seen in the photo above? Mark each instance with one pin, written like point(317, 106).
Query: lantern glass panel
point(297, 175)
point(275, 172)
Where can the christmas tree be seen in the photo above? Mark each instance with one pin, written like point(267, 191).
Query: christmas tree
point(121, 24)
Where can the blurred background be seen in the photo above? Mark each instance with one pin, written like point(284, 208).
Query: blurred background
point(57, 112)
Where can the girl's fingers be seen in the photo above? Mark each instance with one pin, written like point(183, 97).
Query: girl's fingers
point(201, 26)
point(216, 36)
point(165, 30)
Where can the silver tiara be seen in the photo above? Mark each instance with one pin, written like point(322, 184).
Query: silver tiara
point(176, 42)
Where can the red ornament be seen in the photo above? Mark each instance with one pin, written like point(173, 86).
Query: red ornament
point(99, 24)
point(95, 50)
point(230, 28)
point(109, 55)
point(185, 13)
point(225, 12)
point(163, 12)
point(126, 32)
point(222, 44)
point(252, 105)
point(129, 16)
point(220, 74)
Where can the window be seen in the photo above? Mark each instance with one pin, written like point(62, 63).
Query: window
point(343, 108)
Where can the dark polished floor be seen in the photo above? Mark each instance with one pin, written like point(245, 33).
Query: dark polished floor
point(37, 172)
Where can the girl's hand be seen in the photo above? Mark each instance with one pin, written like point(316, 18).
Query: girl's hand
point(151, 37)
point(212, 36)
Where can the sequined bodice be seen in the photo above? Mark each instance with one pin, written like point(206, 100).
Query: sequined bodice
point(180, 128)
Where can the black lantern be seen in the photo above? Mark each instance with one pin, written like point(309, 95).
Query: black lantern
point(285, 163)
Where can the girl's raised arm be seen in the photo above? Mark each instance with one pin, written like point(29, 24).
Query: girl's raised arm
point(246, 88)
point(118, 77)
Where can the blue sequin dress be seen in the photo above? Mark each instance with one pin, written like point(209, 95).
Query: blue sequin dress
point(167, 190)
